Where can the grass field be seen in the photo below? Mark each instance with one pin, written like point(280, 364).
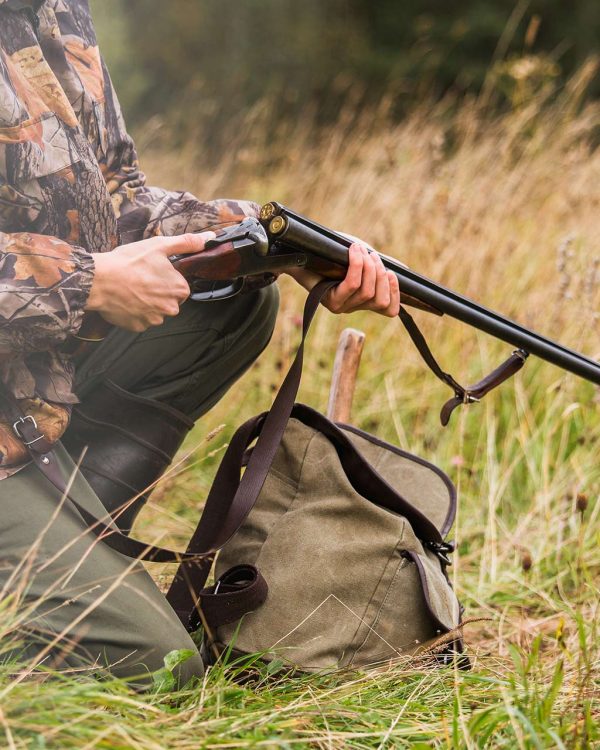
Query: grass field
point(506, 210)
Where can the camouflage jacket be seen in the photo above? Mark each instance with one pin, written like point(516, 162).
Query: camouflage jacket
point(70, 186)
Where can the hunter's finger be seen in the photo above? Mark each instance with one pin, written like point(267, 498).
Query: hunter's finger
point(394, 307)
point(366, 292)
point(180, 244)
point(382, 298)
point(353, 279)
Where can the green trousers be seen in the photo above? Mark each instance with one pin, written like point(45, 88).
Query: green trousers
point(72, 600)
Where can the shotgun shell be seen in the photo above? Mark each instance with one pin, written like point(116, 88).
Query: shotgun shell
point(277, 225)
point(268, 211)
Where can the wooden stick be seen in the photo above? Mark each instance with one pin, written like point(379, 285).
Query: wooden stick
point(345, 371)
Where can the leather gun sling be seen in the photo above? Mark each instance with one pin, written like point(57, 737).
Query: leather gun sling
point(462, 394)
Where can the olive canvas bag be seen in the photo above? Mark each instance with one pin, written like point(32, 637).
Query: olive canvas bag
point(340, 534)
point(335, 553)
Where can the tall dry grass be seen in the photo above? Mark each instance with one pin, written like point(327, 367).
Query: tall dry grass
point(503, 208)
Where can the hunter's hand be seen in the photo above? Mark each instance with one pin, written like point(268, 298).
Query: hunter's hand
point(367, 286)
point(136, 286)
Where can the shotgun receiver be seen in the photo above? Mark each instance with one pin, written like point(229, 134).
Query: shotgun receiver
point(251, 254)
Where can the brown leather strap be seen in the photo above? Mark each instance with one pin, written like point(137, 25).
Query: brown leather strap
point(231, 499)
point(462, 395)
point(476, 392)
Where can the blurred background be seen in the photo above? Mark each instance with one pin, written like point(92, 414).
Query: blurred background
point(186, 60)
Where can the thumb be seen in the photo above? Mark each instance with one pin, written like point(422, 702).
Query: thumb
point(191, 242)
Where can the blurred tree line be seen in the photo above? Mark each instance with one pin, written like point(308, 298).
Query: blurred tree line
point(197, 58)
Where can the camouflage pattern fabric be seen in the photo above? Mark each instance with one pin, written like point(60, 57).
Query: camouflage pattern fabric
point(70, 186)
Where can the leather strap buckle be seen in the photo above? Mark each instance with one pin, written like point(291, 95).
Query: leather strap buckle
point(24, 421)
point(521, 354)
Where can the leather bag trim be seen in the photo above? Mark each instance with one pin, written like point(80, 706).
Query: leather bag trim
point(447, 525)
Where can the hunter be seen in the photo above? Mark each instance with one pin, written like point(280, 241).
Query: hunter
point(81, 231)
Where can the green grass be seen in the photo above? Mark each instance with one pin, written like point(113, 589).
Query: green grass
point(485, 206)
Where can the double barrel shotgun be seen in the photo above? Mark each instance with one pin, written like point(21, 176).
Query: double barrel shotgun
point(252, 253)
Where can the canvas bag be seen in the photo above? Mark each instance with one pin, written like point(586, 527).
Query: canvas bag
point(335, 553)
point(350, 583)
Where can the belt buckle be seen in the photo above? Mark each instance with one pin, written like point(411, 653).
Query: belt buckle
point(22, 438)
point(23, 420)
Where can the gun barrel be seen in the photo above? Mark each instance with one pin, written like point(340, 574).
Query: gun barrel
point(299, 232)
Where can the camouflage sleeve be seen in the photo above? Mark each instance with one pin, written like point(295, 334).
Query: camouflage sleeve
point(150, 211)
point(44, 286)
point(145, 211)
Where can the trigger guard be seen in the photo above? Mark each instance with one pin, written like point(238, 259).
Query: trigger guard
point(217, 292)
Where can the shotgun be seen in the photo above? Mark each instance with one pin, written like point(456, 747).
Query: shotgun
point(251, 254)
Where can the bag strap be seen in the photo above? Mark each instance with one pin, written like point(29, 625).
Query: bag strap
point(231, 499)
point(462, 395)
